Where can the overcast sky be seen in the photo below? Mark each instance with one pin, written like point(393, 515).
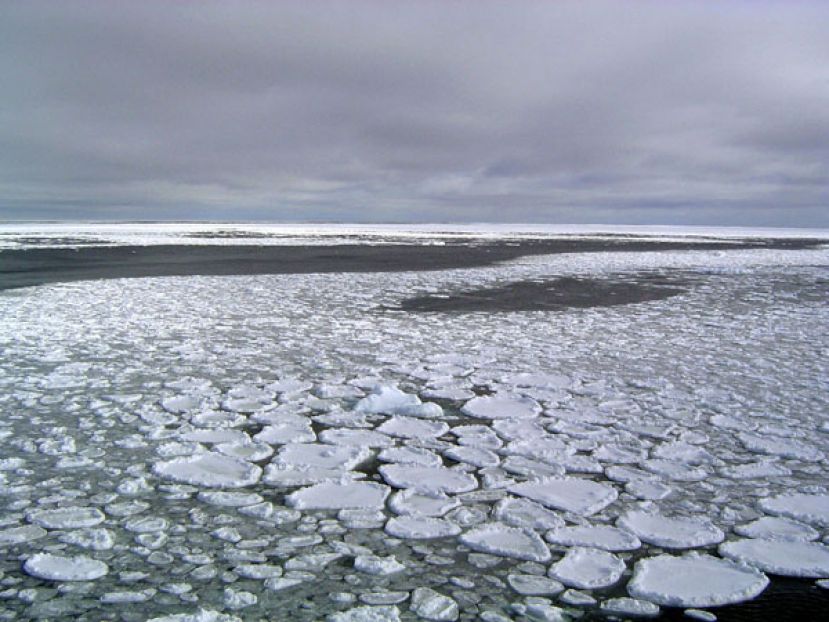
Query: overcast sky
point(570, 112)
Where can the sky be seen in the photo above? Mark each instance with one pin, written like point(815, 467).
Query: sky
point(637, 112)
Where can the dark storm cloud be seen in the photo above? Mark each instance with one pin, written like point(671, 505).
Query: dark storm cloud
point(398, 111)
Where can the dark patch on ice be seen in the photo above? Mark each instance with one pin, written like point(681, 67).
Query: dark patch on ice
point(553, 294)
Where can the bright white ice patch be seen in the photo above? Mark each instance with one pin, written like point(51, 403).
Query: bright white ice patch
point(421, 527)
point(694, 580)
point(209, 469)
point(580, 496)
point(791, 559)
point(59, 568)
point(671, 533)
point(594, 536)
point(66, 518)
point(588, 569)
point(428, 479)
point(812, 509)
point(500, 539)
point(501, 407)
point(339, 496)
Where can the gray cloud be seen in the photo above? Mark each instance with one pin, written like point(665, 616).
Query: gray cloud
point(700, 113)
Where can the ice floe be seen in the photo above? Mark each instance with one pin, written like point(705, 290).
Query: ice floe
point(588, 568)
point(501, 407)
point(681, 532)
point(594, 536)
point(421, 527)
point(808, 508)
point(209, 469)
point(428, 479)
point(789, 558)
point(500, 539)
point(580, 496)
point(66, 517)
point(774, 528)
point(60, 568)
point(694, 580)
point(339, 496)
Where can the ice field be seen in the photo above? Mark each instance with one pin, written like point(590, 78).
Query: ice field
point(292, 447)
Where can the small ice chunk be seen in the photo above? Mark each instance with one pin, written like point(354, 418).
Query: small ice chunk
point(526, 514)
point(250, 451)
point(755, 470)
point(534, 585)
point(571, 494)
point(66, 518)
point(291, 431)
point(221, 435)
point(59, 568)
point(501, 407)
point(774, 528)
point(339, 496)
point(588, 568)
point(431, 605)
point(386, 400)
point(258, 571)
point(500, 539)
point(411, 427)
point(367, 613)
point(648, 490)
point(629, 608)
point(95, 539)
point(410, 455)
point(813, 509)
point(577, 598)
point(694, 580)
point(19, 535)
point(787, 558)
point(421, 504)
point(373, 564)
point(421, 527)
point(355, 438)
point(594, 536)
point(476, 456)
point(227, 499)
point(428, 479)
point(209, 469)
point(202, 615)
point(671, 533)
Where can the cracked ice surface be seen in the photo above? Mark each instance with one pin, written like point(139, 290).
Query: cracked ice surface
point(201, 444)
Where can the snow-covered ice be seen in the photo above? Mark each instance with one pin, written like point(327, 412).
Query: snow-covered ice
point(580, 496)
point(588, 568)
point(792, 559)
point(671, 532)
point(500, 539)
point(60, 568)
point(209, 469)
point(339, 496)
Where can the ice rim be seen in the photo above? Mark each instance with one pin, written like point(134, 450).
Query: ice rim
point(118, 415)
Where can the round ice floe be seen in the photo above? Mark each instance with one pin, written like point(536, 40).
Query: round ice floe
point(66, 518)
point(588, 569)
point(367, 613)
point(594, 536)
point(519, 465)
point(95, 539)
point(648, 490)
point(287, 432)
point(539, 447)
point(209, 469)
point(580, 496)
point(629, 608)
point(500, 539)
point(19, 535)
point(222, 435)
point(526, 514)
point(694, 580)
point(671, 533)
point(410, 455)
point(312, 455)
point(501, 407)
point(538, 380)
point(59, 568)
point(386, 400)
point(755, 470)
point(791, 559)
point(202, 615)
point(355, 438)
point(812, 509)
point(411, 427)
point(428, 479)
point(181, 403)
point(534, 585)
point(339, 496)
point(251, 452)
point(476, 456)
point(677, 471)
point(421, 527)
point(774, 528)
point(778, 446)
point(419, 504)
point(682, 452)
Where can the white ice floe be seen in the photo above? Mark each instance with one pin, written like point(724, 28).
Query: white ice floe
point(588, 568)
point(374, 564)
point(355, 438)
point(66, 518)
point(506, 541)
point(694, 580)
point(367, 613)
point(594, 536)
point(526, 514)
point(60, 568)
point(501, 407)
point(209, 469)
point(412, 502)
point(755, 470)
point(295, 430)
point(421, 527)
point(18, 535)
point(648, 490)
point(580, 496)
point(777, 446)
point(534, 585)
point(788, 558)
point(412, 427)
point(476, 456)
point(775, 528)
point(808, 508)
point(322, 456)
point(252, 451)
point(390, 400)
point(410, 455)
point(339, 496)
point(629, 608)
point(428, 479)
point(94, 539)
point(428, 604)
point(219, 435)
point(202, 615)
point(681, 532)
point(230, 499)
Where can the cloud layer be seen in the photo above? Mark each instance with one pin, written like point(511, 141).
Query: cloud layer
point(640, 112)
